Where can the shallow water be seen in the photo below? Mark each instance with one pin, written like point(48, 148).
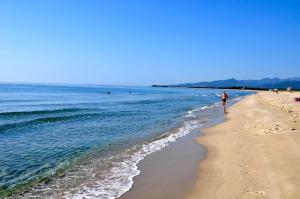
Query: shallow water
point(73, 141)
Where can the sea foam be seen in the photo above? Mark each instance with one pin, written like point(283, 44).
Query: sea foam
point(119, 179)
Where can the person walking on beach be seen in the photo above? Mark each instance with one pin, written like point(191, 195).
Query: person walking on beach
point(224, 98)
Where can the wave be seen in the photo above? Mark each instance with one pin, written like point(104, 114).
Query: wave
point(55, 119)
point(193, 113)
point(40, 112)
point(111, 177)
point(143, 102)
point(45, 120)
point(119, 179)
point(20, 100)
point(217, 103)
point(204, 107)
point(237, 98)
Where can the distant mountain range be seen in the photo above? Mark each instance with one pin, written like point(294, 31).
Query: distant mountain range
point(266, 83)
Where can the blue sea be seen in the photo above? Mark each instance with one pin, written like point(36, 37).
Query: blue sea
point(79, 141)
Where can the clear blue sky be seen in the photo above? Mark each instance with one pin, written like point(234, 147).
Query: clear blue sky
point(144, 42)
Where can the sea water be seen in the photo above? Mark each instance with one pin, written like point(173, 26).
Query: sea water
point(75, 141)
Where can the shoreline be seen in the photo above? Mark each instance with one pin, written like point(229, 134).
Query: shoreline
point(172, 168)
point(189, 130)
point(254, 153)
point(170, 172)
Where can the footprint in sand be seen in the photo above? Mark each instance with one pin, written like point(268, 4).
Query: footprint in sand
point(261, 193)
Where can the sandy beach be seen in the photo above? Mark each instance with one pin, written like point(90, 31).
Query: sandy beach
point(170, 173)
point(255, 153)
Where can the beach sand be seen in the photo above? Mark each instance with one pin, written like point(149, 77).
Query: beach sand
point(170, 173)
point(255, 153)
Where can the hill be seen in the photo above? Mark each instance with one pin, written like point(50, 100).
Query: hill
point(265, 83)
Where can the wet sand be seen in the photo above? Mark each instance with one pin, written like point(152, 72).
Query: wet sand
point(255, 153)
point(170, 173)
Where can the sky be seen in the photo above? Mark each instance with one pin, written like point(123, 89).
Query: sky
point(145, 42)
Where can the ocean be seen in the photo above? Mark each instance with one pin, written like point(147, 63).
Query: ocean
point(75, 141)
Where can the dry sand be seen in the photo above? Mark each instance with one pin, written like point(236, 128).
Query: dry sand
point(255, 153)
